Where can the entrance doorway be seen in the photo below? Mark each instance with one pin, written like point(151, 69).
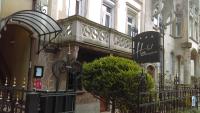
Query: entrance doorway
point(151, 70)
point(14, 53)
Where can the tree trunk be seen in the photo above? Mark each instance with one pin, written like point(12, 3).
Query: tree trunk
point(113, 106)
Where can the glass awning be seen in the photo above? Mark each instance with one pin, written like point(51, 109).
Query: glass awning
point(43, 26)
point(40, 22)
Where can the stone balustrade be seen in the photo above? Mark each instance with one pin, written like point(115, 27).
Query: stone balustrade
point(82, 30)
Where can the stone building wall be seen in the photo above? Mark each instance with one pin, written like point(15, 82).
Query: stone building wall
point(85, 102)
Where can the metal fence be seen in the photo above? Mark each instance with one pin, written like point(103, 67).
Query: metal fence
point(16, 99)
point(168, 101)
point(12, 99)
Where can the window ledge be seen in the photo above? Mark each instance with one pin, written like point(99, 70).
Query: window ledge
point(80, 92)
point(155, 28)
point(194, 40)
point(109, 2)
point(176, 37)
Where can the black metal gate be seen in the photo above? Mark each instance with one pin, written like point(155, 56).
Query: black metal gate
point(15, 99)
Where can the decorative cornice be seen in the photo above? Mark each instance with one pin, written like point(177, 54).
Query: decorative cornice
point(139, 2)
point(194, 40)
point(186, 45)
point(132, 7)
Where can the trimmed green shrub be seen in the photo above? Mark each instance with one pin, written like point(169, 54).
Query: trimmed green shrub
point(115, 79)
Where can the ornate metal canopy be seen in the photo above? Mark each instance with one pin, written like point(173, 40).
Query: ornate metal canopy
point(42, 25)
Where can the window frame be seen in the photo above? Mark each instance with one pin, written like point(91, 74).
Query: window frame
point(196, 31)
point(190, 34)
point(178, 29)
point(156, 19)
point(105, 14)
point(133, 23)
point(133, 12)
point(81, 7)
point(108, 4)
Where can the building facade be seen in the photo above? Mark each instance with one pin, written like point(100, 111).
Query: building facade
point(93, 29)
point(90, 29)
point(181, 39)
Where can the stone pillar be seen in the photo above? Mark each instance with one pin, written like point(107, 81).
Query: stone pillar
point(186, 45)
point(197, 66)
point(73, 51)
point(53, 9)
point(187, 66)
point(49, 7)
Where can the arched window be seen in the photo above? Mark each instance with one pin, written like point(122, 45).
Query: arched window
point(151, 70)
point(193, 62)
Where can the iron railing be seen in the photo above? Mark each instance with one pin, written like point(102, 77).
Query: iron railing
point(168, 101)
point(12, 99)
point(16, 99)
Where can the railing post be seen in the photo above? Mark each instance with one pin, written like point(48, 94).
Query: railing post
point(197, 97)
point(141, 89)
point(197, 90)
point(111, 40)
point(138, 98)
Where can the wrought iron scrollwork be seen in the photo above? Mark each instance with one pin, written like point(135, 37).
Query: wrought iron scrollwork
point(41, 7)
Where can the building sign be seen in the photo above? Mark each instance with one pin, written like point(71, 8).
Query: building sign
point(147, 47)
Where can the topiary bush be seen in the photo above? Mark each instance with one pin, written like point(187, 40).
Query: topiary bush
point(115, 79)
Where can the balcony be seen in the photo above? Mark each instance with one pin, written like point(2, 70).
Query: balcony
point(83, 31)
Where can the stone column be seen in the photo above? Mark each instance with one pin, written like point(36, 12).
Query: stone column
point(197, 66)
point(49, 7)
point(74, 52)
point(186, 45)
point(187, 66)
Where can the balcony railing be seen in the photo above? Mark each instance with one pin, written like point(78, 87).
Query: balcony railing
point(82, 30)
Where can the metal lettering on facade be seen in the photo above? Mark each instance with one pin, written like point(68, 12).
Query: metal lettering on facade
point(147, 47)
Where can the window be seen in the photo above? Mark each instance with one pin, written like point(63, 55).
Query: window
point(106, 16)
point(108, 13)
point(132, 20)
point(172, 63)
point(192, 73)
point(179, 65)
point(132, 29)
point(175, 28)
point(171, 27)
point(190, 27)
point(80, 9)
point(178, 29)
point(156, 19)
point(196, 32)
